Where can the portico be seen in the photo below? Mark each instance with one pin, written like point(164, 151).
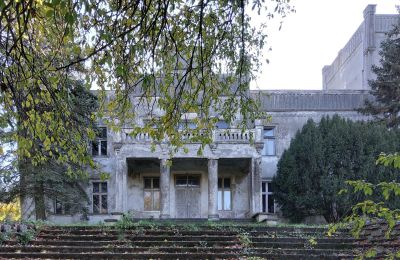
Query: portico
point(209, 188)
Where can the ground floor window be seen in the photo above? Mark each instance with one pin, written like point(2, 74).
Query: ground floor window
point(151, 194)
point(224, 194)
point(100, 203)
point(61, 208)
point(268, 204)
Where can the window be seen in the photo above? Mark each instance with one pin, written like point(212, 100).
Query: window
point(268, 204)
point(61, 208)
point(224, 194)
point(151, 193)
point(269, 142)
point(222, 125)
point(186, 125)
point(100, 205)
point(99, 146)
point(187, 181)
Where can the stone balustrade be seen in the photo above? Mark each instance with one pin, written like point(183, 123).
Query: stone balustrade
point(218, 136)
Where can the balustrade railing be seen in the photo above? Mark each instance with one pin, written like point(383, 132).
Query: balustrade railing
point(218, 136)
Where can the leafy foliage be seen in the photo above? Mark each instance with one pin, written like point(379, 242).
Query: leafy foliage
point(187, 53)
point(324, 159)
point(25, 178)
point(11, 211)
point(378, 206)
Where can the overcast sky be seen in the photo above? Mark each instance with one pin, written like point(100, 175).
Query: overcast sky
point(312, 38)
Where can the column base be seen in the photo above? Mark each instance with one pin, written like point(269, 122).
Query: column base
point(164, 216)
point(213, 217)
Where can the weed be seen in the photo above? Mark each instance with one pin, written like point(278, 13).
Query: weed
point(191, 227)
point(25, 237)
point(203, 243)
point(126, 222)
point(4, 236)
point(310, 243)
point(244, 239)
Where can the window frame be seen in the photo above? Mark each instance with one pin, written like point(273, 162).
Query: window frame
point(100, 195)
point(266, 193)
point(64, 209)
point(269, 139)
point(100, 139)
point(187, 177)
point(222, 190)
point(152, 190)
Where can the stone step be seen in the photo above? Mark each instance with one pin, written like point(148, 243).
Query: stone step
point(118, 249)
point(270, 244)
point(204, 228)
point(179, 256)
point(233, 237)
point(177, 231)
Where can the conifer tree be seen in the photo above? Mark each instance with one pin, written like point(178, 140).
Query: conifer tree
point(322, 158)
point(386, 87)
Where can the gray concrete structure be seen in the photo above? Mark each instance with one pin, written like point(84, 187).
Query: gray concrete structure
point(232, 177)
point(351, 69)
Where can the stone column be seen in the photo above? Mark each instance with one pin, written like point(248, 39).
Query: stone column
point(256, 185)
point(213, 189)
point(121, 185)
point(165, 176)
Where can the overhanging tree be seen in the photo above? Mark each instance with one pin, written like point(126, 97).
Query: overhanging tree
point(48, 180)
point(321, 158)
point(188, 53)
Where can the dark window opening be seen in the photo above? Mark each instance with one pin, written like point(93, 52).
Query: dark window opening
point(100, 198)
point(99, 146)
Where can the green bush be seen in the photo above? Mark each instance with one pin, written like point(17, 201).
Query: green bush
point(322, 157)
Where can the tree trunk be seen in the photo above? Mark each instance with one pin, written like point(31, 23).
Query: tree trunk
point(40, 206)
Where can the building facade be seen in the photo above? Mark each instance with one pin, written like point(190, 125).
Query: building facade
point(232, 177)
point(351, 69)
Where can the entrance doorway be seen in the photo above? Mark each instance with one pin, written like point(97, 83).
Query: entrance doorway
point(187, 194)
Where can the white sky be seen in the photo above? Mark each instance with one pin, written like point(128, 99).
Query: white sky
point(312, 38)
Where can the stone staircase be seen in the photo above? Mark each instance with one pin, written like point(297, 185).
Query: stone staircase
point(182, 241)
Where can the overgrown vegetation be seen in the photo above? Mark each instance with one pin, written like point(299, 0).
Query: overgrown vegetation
point(320, 161)
point(378, 206)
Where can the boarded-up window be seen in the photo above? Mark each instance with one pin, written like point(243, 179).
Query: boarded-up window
point(151, 194)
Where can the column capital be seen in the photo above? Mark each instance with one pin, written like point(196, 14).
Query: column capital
point(164, 161)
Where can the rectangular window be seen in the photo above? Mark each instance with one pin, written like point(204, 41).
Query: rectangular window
point(61, 208)
point(151, 194)
point(222, 125)
point(100, 203)
point(268, 204)
point(99, 146)
point(269, 142)
point(224, 194)
point(186, 125)
point(187, 181)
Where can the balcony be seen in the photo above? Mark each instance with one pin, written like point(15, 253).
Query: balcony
point(218, 136)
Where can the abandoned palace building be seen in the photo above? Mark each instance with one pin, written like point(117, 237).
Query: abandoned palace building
point(232, 178)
